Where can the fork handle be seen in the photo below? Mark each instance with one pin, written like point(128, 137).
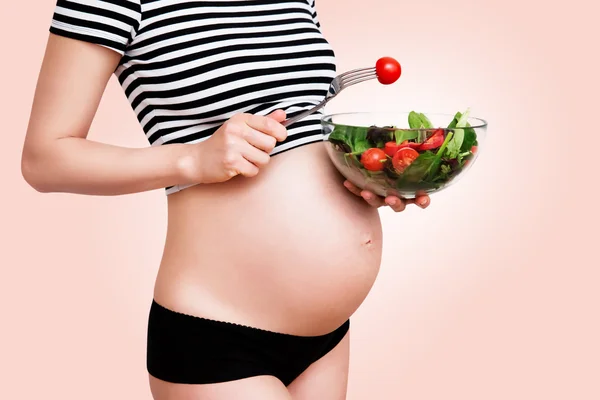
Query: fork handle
point(305, 114)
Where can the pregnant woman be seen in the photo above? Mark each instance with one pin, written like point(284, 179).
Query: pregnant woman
point(268, 251)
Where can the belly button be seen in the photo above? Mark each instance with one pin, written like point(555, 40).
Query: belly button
point(367, 240)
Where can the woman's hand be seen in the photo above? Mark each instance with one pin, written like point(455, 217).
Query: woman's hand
point(395, 203)
point(241, 146)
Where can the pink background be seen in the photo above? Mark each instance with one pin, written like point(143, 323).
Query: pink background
point(489, 294)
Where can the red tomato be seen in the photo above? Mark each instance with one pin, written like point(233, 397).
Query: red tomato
point(391, 148)
point(434, 141)
point(412, 145)
point(473, 151)
point(403, 158)
point(373, 159)
point(388, 70)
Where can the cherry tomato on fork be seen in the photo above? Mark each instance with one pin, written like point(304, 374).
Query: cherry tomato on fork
point(388, 70)
point(373, 159)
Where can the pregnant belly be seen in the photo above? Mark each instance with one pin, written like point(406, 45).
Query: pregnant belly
point(290, 250)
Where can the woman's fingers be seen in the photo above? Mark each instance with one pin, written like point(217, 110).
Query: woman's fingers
point(395, 203)
point(268, 125)
point(369, 197)
point(259, 140)
point(422, 201)
point(372, 198)
point(245, 168)
point(278, 115)
point(352, 188)
point(256, 156)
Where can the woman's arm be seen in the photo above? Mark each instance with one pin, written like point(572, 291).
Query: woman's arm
point(58, 157)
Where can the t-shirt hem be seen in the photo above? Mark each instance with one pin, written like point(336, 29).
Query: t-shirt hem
point(82, 35)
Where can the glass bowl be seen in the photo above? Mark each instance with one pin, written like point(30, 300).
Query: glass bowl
point(403, 154)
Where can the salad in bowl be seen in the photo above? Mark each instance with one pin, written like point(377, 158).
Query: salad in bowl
point(403, 154)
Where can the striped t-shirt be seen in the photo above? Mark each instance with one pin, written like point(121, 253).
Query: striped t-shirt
point(188, 66)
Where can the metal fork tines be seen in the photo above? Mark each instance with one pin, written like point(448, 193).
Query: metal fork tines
point(352, 77)
point(338, 84)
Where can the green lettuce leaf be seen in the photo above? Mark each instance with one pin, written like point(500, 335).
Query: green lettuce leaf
point(403, 135)
point(468, 139)
point(354, 138)
point(419, 168)
point(456, 144)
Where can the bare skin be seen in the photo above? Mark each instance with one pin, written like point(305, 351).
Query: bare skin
point(259, 240)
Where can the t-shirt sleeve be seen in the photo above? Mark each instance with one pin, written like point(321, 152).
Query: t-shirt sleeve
point(109, 23)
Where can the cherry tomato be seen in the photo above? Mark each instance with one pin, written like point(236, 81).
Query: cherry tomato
point(373, 159)
point(473, 151)
point(403, 158)
point(412, 145)
point(391, 148)
point(388, 70)
point(434, 141)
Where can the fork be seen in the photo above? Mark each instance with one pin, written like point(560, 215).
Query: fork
point(338, 84)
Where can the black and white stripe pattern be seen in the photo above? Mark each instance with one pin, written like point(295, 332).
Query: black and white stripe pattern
point(188, 66)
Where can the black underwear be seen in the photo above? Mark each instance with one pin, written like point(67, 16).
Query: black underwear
point(192, 350)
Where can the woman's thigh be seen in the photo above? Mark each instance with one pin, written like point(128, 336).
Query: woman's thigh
point(255, 388)
point(327, 378)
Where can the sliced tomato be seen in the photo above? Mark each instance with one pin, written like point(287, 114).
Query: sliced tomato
point(403, 158)
point(373, 159)
point(474, 149)
point(391, 148)
point(435, 141)
point(412, 145)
